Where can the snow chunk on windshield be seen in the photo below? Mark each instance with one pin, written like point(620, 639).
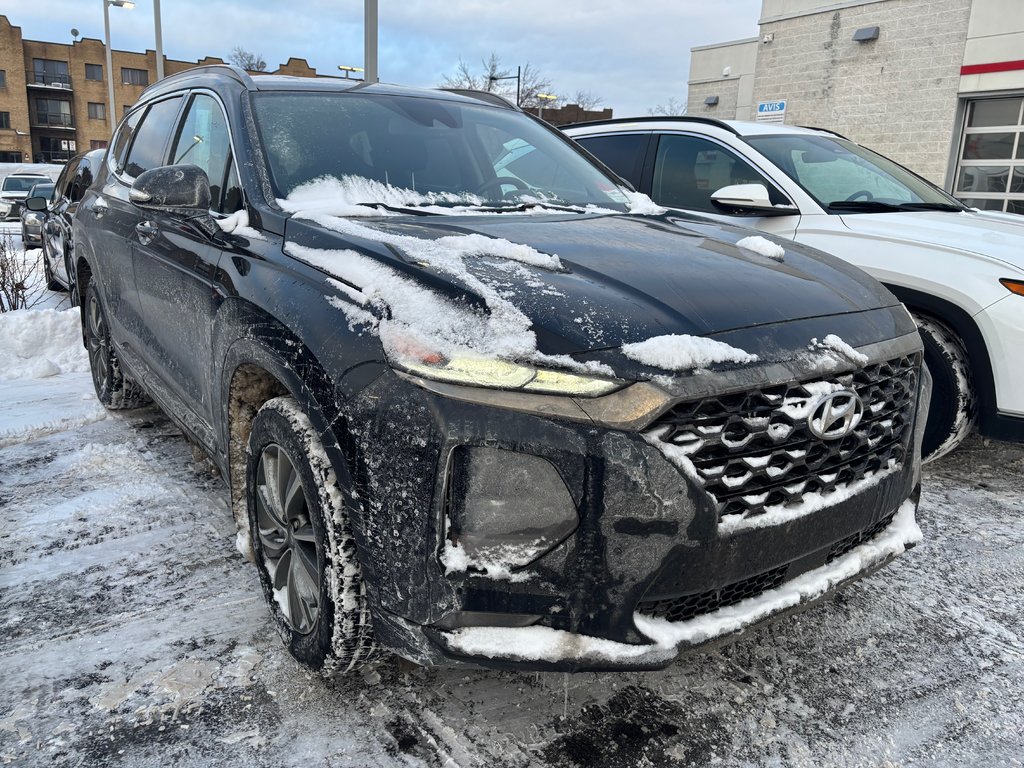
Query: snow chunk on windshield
point(833, 343)
point(684, 353)
point(763, 246)
point(352, 196)
point(641, 205)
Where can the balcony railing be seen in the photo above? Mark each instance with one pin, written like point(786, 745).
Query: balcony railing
point(54, 156)
point(54, 120)
point(49, 80)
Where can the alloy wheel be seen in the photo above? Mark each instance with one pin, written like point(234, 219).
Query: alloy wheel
point(99, 344)
point(287, 539)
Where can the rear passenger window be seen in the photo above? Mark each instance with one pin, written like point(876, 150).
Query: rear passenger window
point(149, 149)
point(623, 153)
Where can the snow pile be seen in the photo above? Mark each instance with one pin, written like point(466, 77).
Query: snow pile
point(351, 196)
point(684, 353)
point(495, 562)
point(641, 205)
point(765, 247)
point(37, 343)
point(834, 344)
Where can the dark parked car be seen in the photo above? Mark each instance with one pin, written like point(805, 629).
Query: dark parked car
point(471, 403)
point(32, 221)
point(76, 177)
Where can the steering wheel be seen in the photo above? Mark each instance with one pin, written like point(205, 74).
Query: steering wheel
point(498, 182)
point(859, 194)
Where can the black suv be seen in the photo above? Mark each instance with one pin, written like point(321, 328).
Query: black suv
point(473, 399)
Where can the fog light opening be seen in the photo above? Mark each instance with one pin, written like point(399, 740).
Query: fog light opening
point(505, 510)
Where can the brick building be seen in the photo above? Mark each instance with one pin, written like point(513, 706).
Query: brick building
point(53, 96)
point(938, 85)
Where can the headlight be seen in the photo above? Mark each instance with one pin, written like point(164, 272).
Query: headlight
point(5, 208)
point(471, 371)
point(1014, 286)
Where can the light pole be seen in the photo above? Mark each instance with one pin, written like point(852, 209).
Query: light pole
point(540, 104)
point(492, 79)
point(347, 70)
point(370, 41)
point(159, 41)
point(129, 4)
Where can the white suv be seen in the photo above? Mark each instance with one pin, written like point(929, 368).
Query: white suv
point(956, 268)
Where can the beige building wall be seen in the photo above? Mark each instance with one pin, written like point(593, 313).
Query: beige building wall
point(14, 139)
point(725, 71)
point(896, 94)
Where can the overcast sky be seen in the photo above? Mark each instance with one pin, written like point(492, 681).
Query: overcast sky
point(635, 55)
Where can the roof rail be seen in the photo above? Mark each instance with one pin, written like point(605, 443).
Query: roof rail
point(655, 119)
point(235, 73)
point(823, 130)
point(485, 96)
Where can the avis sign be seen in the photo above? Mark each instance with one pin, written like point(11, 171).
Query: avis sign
point(771, 111)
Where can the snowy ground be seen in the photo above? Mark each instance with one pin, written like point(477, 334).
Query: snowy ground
point(133, 633)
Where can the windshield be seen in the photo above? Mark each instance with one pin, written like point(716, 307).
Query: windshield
point(846, 178)
point(19, 184)
point(451, 151)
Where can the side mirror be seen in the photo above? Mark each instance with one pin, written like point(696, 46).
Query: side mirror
point(749, 199)
point(36, 203)
point(183, 189)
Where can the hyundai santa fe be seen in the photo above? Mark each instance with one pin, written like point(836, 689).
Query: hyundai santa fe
point(474, 400)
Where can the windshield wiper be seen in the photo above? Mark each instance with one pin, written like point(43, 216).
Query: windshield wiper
point(400, 209)
point(868, 206)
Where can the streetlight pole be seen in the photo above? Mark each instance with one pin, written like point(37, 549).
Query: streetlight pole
point(541, 98)
point(129, 4)
point(370, 41)
point(517, 77)
point(159, 41)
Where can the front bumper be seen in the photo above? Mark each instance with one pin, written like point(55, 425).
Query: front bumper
point(1002, 325)
point(648, 533)
point(32, 233)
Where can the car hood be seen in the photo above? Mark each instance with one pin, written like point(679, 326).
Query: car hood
point(620, 278)
point(997, 236)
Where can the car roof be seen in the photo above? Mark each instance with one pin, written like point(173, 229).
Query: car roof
point(659, 123)
point(224, 76)
point(27, 175)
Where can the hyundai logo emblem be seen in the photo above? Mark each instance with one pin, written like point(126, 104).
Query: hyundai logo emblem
point(836, 415)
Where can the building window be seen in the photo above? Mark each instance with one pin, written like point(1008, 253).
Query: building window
point(49, 72)
point(3, 78)
point(125, 109)
point(93, 71)
point(990, 170)
point(97, 111)
point(97, 144)
point(56, 150)
point(131, 76)
point(5, 120)
point(55, 112)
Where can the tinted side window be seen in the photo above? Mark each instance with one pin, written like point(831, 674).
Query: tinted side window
point(623, 153)
point(64, 181)
point(149, 148)
point(124, 139)
point(83, 180)
point(688, 170)
point(203, 141)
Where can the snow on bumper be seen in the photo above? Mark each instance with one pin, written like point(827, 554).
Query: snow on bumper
point(544, 646)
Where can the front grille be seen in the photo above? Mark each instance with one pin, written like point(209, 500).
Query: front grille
point(843, 546)
point(754, 452)
point(688, 606)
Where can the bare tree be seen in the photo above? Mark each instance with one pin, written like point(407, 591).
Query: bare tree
point(586, 99)
point(672, 108)
point(253, 62)
point(21, 279)
point(495, 78)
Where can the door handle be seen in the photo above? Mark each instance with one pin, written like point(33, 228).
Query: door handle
point(146, 230)
point(99, 207)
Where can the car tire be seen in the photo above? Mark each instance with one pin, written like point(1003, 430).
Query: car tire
point(954, 407)
point(113, 389)
point(302, 542)
point(51, 282)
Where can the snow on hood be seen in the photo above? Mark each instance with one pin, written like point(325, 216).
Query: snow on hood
point(994, 235)
point(684, 353)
